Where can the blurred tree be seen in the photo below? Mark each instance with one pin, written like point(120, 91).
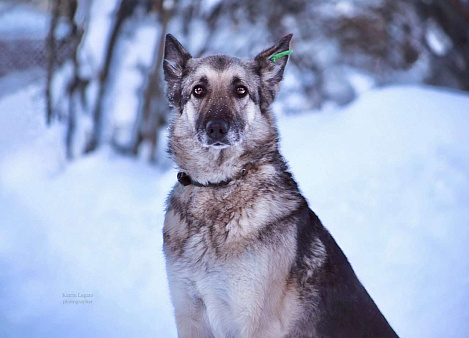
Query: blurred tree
point(125, 10)
point(77, 84)
point(447, 21)
point(153, 115)
point(51, 57)
point(57, 51)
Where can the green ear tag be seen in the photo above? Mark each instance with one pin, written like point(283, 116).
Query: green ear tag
point(277, 56)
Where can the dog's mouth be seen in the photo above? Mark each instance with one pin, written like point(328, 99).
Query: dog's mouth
point(219, 145)
point(227, 142)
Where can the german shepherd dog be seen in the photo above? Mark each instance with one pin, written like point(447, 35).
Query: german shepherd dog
point(245, 256)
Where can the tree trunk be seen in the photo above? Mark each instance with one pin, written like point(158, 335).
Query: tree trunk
point(153, 114)
point(77, 85)
point(453, 18)
point(51, 56)
point(126, 8)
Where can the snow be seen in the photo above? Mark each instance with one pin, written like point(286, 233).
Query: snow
point(387, 175)
point(91, 227)
point(22, 21)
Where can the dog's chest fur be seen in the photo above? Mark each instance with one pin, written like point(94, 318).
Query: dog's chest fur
point(222, 248)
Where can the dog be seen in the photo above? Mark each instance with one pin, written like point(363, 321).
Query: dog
point(245, 255)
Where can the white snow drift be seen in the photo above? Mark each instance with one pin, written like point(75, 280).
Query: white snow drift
point(388, 176)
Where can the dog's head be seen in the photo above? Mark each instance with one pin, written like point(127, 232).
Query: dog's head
point(221, 102)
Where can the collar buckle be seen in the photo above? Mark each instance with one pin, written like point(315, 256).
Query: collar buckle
point(183, 178)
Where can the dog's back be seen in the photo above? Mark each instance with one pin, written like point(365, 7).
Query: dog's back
point(338, 302)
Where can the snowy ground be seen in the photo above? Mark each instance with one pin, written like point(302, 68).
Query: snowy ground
point(389, 177)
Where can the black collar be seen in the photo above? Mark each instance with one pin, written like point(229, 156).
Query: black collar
point(186, 180)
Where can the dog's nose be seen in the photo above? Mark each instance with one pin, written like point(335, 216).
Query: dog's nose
point(216, 129)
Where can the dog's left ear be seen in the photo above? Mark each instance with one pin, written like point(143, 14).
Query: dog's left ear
point(271, 65)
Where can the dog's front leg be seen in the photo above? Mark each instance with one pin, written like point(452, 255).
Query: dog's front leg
point(189, 311)
point(252, 322)
point(262, 304)
point(191, 325)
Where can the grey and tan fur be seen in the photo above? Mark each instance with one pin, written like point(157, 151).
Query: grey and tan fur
point(245, 255)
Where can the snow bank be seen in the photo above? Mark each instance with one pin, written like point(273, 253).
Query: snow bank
point(22, 21)
point(93, 227)
point(388, 176)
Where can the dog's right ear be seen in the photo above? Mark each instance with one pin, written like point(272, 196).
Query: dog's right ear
point(175, 59)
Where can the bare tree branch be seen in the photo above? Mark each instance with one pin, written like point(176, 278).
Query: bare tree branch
point(51, 58)
point(125, 10)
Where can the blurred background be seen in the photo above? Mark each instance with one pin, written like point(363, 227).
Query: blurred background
point(373, 116)
point(101, 60)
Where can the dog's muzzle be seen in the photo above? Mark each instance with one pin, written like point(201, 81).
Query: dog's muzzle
point(217, 133)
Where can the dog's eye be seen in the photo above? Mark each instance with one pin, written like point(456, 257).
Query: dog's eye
point(198, 91)
point(241, 91)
